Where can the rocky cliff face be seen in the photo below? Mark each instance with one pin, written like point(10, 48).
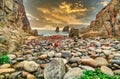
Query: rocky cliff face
point(107, 21)
point(12, 13)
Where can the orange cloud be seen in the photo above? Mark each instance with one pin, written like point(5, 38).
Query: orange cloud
point(78, 7)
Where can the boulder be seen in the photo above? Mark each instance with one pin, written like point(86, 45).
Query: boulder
point(89, 62)
point(106, 70)
point(101, 61)
point(30, 66)
point(55, 69)
point(74, 32)
point(73, 73)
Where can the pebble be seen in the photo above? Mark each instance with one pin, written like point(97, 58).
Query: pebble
point(30, 66)
point(107, 52)
point(101, 61)
point(11, 56)
point(5, 66)
point(15, 75)
point(20, 59)
point(87, 68)
point(6, 70)
point(58, 55)
point(106, 70)
point(73, 73)
point(44, 56)
point(30, 76)
point(51, 54)
point(74, 59)
point(117, 72)
point(89, 62)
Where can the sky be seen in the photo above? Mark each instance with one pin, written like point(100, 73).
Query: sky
point(49, 14)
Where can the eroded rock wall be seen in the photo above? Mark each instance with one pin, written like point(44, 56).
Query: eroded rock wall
point(107, 21)
point(12, 13)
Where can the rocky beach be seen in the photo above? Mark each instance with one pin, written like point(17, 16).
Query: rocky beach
point(65, 58)
point(26, 55)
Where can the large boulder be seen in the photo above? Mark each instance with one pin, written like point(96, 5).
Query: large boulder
point(74, 32)
point(55, 69)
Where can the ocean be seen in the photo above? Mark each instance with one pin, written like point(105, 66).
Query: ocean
point(51, 32)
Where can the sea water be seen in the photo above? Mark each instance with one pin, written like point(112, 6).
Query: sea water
point(51, 32)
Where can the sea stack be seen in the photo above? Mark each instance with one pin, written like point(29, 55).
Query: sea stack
point(57, 29)
point(66, 29)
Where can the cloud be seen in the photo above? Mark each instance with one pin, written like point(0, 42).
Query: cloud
point(78, 7)
point(104, 3)
point(64, 13)
point(31, 17)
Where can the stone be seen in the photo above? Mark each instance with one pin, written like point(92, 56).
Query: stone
point(14, 75)
point(65, 61)
point(51, 54)
point(107, 52)
point(89, 62)
point(2, 77)
point(6, 70)
point(19, 65)
point(87, 68)
point(73, 73)
point(74, 59)
point(30, 76)
point(58, 55)
point(44, 56)
point(55, 69)
point(117, 72)
point(30, 66)
point(92, 48)
point(20, 59)
point(74, 32)
point(117, 55)
point(101, 61)
point(98, 50)
point(13, 61)
point(66, 54)
point(5, 66)
point(11, 56)
point(24, 73)
point(106, 70)
point(74, 65)
point(115, 61)
point(42, 65)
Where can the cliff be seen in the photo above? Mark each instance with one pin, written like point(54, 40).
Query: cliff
point(12, 13)
point(107, 22)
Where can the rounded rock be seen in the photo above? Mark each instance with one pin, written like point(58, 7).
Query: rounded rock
point(106, 70)
point(73, 73)
point(30, 66)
